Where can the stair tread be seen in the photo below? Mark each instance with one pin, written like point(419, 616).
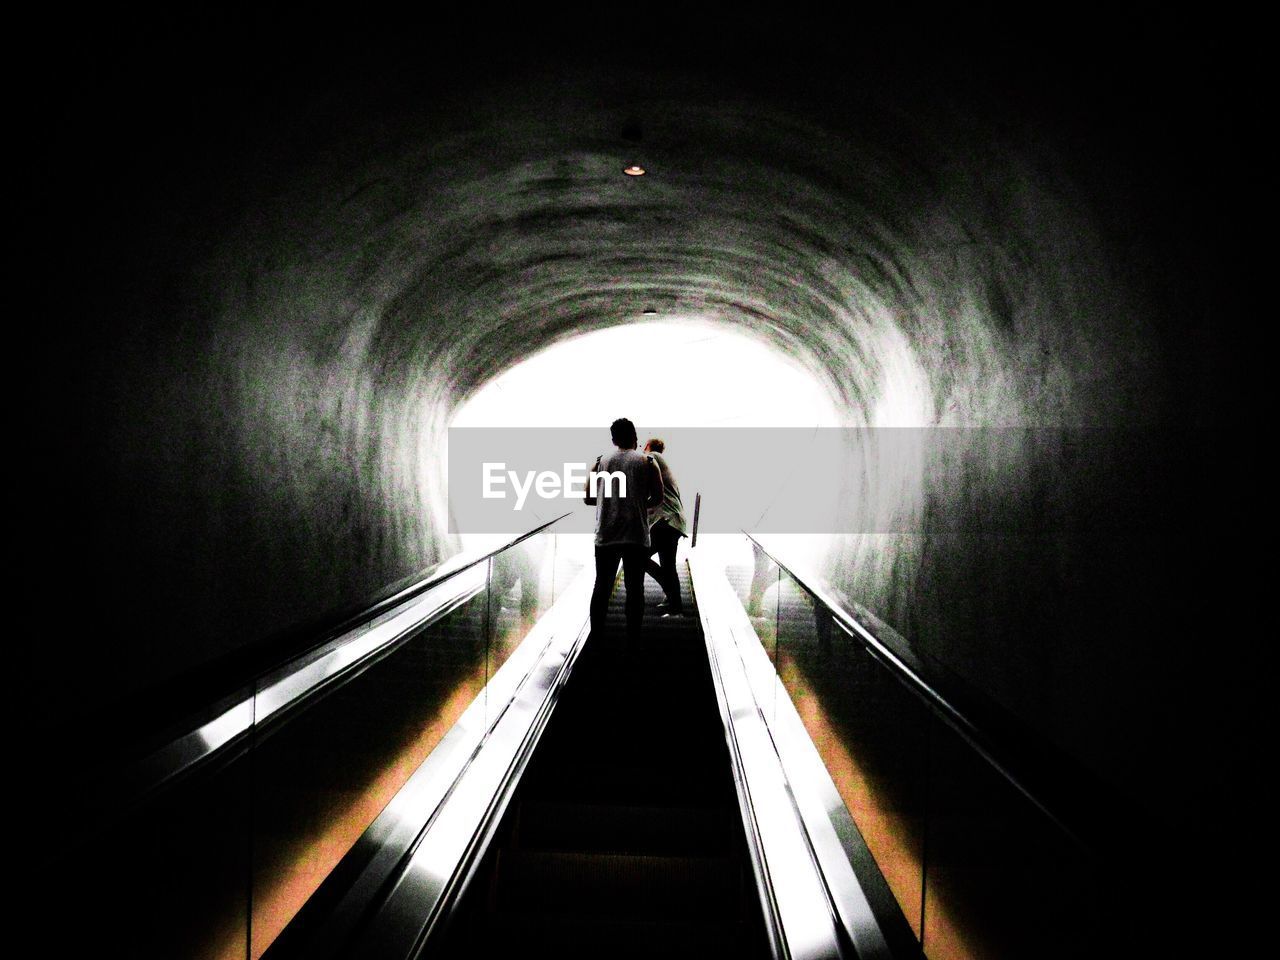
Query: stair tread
point(617, 937)
point(624, 838)
point(660, 830)
point(605, 885)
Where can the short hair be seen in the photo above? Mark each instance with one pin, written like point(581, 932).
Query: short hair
point(656, 445)
point(623, 432)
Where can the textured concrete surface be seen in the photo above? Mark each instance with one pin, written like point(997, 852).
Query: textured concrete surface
point(285, 258)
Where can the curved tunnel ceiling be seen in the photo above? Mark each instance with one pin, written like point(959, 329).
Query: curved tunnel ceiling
point(929, 261)
point(286, 263)
point(881, 245)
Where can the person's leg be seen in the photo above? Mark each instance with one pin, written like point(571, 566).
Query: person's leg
point(663, 538)
point(760, 577)
point(655, 539)
point(606, 571)
point(651, 567)
point(528, 573)
point(667, 557)
point(633, 561)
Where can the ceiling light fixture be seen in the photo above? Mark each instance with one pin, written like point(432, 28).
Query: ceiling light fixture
point(635, 170)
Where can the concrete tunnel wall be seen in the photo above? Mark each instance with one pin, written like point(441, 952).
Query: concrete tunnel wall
point(290, 278)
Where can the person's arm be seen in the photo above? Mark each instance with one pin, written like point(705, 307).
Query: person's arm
point(654, 492)
point(589, 498)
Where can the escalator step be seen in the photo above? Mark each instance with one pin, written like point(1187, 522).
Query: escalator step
point(624, 838)
point(670, 741)
point(651, 831)
point(634, 785)
point(618, 886)
point(574, 937)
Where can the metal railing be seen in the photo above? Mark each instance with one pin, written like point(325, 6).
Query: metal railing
point(361, 642)
point(939, 691)
point(819, 890)
point(974, 834)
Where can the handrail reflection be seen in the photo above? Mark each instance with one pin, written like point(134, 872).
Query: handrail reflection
point(893, 651)
point(359, 641)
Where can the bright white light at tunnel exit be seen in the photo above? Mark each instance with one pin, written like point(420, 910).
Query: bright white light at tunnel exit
point(670, 372)
point(674, 373)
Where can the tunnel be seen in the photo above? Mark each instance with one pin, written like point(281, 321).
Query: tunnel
point(273, 261)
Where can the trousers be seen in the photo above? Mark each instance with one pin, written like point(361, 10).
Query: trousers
point(665, 539)
point(633, 557)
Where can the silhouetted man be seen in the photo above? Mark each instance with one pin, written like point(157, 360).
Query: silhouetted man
point(622, 486)
point(667, 525)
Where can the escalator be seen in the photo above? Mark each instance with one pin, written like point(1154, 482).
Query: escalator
point(624, 837)
point(465, 770)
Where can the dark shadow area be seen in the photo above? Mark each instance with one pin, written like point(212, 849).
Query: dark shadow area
point(624, 837)
point(264, 256)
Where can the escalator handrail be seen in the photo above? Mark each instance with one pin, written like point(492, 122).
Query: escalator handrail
point(227, 723)
point(893, 652)
point(407, 873)
point(796, 906)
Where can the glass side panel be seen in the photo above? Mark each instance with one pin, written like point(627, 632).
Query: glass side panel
point(755, 579)
point(571, 553)
point(521, 589)
point(870, 731)
point(323, 774)
point(1002, 880)
point(215, 863)
point(170, 879)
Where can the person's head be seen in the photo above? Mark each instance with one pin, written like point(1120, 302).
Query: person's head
point(623, 432)
point(654, 445)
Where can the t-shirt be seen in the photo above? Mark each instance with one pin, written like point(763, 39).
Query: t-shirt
point(671, 508)
point(624, 519)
